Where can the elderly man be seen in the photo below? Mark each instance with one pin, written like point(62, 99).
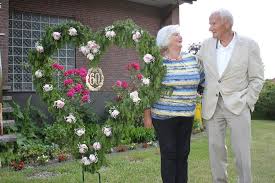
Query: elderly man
point(234, 77)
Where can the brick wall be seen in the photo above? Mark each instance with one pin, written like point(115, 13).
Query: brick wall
point(97, 14)
point(4, 24)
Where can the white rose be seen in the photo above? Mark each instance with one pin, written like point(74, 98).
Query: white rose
point(38, 73)
point(90, 56)
point(97, 146)
point(115, 113)
point(134, 96)
point(95, 50)
point(59, 104)
point(70, 118)
point(85, 161)
point(84, 50)
point(82, 148)
point(39, 49)
point(145, 81)
point(107, 131)
point(136, 99)
point(47, 87)
point(80, 131)
point(136, 36)
point(109, 28)
point(92, 45)
point(93, 158)
point(110, 34)
point(148, 58)
point(72, 31)
point(56, 35)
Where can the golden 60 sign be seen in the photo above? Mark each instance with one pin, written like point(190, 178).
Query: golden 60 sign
point(94, 79)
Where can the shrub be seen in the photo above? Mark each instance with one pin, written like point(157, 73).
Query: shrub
point(265, 107)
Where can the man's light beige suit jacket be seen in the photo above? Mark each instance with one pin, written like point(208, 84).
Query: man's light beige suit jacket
point(240, 83)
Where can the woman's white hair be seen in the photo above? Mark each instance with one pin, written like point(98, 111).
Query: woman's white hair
point(164, 35)
point(225, 15)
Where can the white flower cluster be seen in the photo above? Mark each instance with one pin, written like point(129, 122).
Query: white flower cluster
point(145, 81)
point(148, 58)
point(43, 158)
point(38, 73)
point(47, 87)
point(70, 119)
point(136, 35)
point(114, 112)
point(59, 104)
point(107, 131)
point(90, 50)
point(97, 146)
point(109, 33)
point(72, 31)
point(134, 96)
point(56, 35)
point(82, 148)
point(39, 48)
point(79, 131)
point(87, 161)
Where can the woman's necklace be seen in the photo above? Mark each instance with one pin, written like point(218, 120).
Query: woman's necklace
point(173, 59)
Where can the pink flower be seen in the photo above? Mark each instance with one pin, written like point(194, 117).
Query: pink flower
point(135, 65)
point(139, 76)
point(57, 66)
point(124, 84)
point(78, 87)
point(68, 82)
point(82, 72)
point(85, 92)
point(70, 93)
point(69, 72)
point(85, 98)
point(118, 83)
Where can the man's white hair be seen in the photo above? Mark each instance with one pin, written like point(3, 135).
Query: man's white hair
point(225, 15)
point(164, 35)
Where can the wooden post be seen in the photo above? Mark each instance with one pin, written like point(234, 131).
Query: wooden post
point(1, 120)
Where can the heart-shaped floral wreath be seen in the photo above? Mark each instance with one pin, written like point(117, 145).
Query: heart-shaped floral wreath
point(64, 103)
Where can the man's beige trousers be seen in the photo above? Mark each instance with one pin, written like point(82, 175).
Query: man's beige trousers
point(240, 131)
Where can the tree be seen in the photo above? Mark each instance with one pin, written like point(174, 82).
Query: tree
point(266, 102)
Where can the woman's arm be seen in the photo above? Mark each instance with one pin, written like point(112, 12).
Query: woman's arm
point(147, 119)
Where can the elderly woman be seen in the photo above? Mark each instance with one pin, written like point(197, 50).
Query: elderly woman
point(172, 115)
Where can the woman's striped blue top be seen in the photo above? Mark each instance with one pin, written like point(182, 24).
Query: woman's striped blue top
point(183, 76)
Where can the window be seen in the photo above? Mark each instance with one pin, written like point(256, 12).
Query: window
point(25, 29)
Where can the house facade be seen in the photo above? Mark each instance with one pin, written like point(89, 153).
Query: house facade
point(22, 24)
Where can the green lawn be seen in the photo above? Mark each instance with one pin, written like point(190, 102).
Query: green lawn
point(143, 166)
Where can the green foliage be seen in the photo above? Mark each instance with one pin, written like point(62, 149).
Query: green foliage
point(30, 121)
point(29, 129)
point(266, 103)
point(58, 133)
point(31, 151)
point(133, 134)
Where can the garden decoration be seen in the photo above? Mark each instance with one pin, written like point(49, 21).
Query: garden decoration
point(133, 97)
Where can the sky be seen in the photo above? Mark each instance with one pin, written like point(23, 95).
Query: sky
point(251, 19)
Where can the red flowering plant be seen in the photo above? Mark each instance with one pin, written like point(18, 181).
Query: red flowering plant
point(17, 165)
point(74, 83)
point(124, 89)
